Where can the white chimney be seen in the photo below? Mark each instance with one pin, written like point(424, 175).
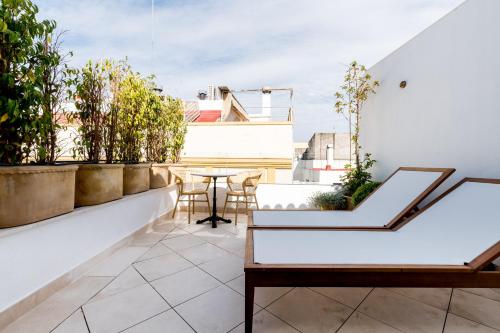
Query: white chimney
point(266, 101)
point(211, 92)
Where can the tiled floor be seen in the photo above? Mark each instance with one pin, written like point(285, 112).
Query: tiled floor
point(179, 277)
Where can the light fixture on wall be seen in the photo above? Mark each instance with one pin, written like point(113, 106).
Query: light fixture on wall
point(402, 84)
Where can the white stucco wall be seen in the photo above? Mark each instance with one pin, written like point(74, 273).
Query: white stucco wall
point(239, 140)
point(449, 113)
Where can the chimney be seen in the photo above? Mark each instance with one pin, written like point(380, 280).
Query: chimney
point(211, 92)
point(266, 101)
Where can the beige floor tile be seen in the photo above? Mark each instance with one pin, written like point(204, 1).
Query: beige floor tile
point(476, 308)
point(263, 295)
point(360, 323)
point(309, 311)
point(74, 324)
point(164, 226)
point(126, 280)
point(58, 307)
point(176, 233)
point(402, 312)
point(203, 253)
point(148, 238)
point(214, 236)
point(182, 242)
point(158, 267)
point(225, 268)
point(184, 285)
point(234, 245)
point(348, 296)
point(118, 261)
point(456, 324)
point(156, 251)
point(485, 292)
point(219, 310)
point(163, 323)
point(193, 227)
point(438, 297)
point(264, 322)
point(121, 311)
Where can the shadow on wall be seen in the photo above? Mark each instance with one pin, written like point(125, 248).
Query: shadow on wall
point(289, 206)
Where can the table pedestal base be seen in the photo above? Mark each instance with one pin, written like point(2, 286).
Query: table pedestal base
point(214, 220)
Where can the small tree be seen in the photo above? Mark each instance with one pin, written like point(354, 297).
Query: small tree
point(90, 100)
point(56, 81)
point(21, 51)
point(133, 100)
point(354, 92)
point(176, 128)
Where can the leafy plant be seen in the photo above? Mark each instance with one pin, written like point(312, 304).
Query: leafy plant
point(56, 80)
point(21, 78)
point(357, 175)
point(363, 191)
point(134, 99)
point(329, 200)
point(176, 128)
point(90, 101)
point(354, 92)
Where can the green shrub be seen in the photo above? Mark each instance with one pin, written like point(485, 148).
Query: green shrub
point(363, 191)
point(357, 176)
point(329, 200)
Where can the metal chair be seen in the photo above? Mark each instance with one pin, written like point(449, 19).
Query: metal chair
point(242, 186)
point(188, 186)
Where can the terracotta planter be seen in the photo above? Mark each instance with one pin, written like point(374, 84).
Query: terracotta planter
point(159, 176)
point(98, 183)
point(350, 206)
point(32, 193)
point(136, 178)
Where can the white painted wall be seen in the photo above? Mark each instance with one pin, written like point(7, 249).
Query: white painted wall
point(208, 105)
point(449, 113)
point(239, 140)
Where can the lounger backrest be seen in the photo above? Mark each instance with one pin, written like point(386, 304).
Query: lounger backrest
point(398, 195)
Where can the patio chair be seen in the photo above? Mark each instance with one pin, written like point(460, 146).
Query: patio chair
point(244, 187)
point(191, 187)
point(390, 204)
point(451, 243)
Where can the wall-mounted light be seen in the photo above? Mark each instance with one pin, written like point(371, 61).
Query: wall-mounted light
point(402, 84)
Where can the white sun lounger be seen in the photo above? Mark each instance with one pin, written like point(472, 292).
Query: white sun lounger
point(450, 243)
point(387, 206)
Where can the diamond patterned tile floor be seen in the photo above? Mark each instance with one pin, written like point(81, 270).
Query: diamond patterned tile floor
point(180, 277)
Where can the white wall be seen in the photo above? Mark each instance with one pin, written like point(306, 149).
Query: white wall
point(449, 113)
point(239, 140)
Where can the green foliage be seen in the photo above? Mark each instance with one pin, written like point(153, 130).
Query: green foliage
point(165, 129)
point(363, 191)
point(357, 175)
point(135, 103)
point(329, 200)
point(21, 78)
point(354, 92)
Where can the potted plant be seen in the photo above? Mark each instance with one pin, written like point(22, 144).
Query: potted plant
point(329, 200)
point(32, 83)
point(95, 101)
point(358, 85)
point(165, 130)
point(134, 103)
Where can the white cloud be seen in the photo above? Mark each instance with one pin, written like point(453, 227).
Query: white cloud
point(247, 44)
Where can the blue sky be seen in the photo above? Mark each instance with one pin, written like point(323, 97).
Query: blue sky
point(246, 44)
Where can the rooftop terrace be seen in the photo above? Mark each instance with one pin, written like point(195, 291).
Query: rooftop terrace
point(180, 277)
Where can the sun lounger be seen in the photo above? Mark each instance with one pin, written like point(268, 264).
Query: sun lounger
point(390, 204)
point(450, 243)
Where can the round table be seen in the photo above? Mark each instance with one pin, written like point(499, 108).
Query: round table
point(214, 217)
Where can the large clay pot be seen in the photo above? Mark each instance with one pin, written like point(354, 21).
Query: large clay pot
point(98, 183)
point(136, 178)
point(32, 193)
point(159, 176)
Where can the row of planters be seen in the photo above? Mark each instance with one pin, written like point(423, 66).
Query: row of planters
point(127, 133)
point(357, 182)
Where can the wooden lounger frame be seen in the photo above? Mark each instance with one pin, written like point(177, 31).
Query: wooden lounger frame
point(394, 223)
point(479, 273)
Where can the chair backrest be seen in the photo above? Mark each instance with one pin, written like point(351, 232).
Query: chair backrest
point(245, 182)
point(186, 182)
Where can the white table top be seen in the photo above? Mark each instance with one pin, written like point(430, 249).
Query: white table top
point(214, 174)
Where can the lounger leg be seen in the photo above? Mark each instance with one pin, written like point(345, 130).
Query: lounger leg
point(189, 209)
point(175, 208)
point(249, 295)
point(194, 200)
